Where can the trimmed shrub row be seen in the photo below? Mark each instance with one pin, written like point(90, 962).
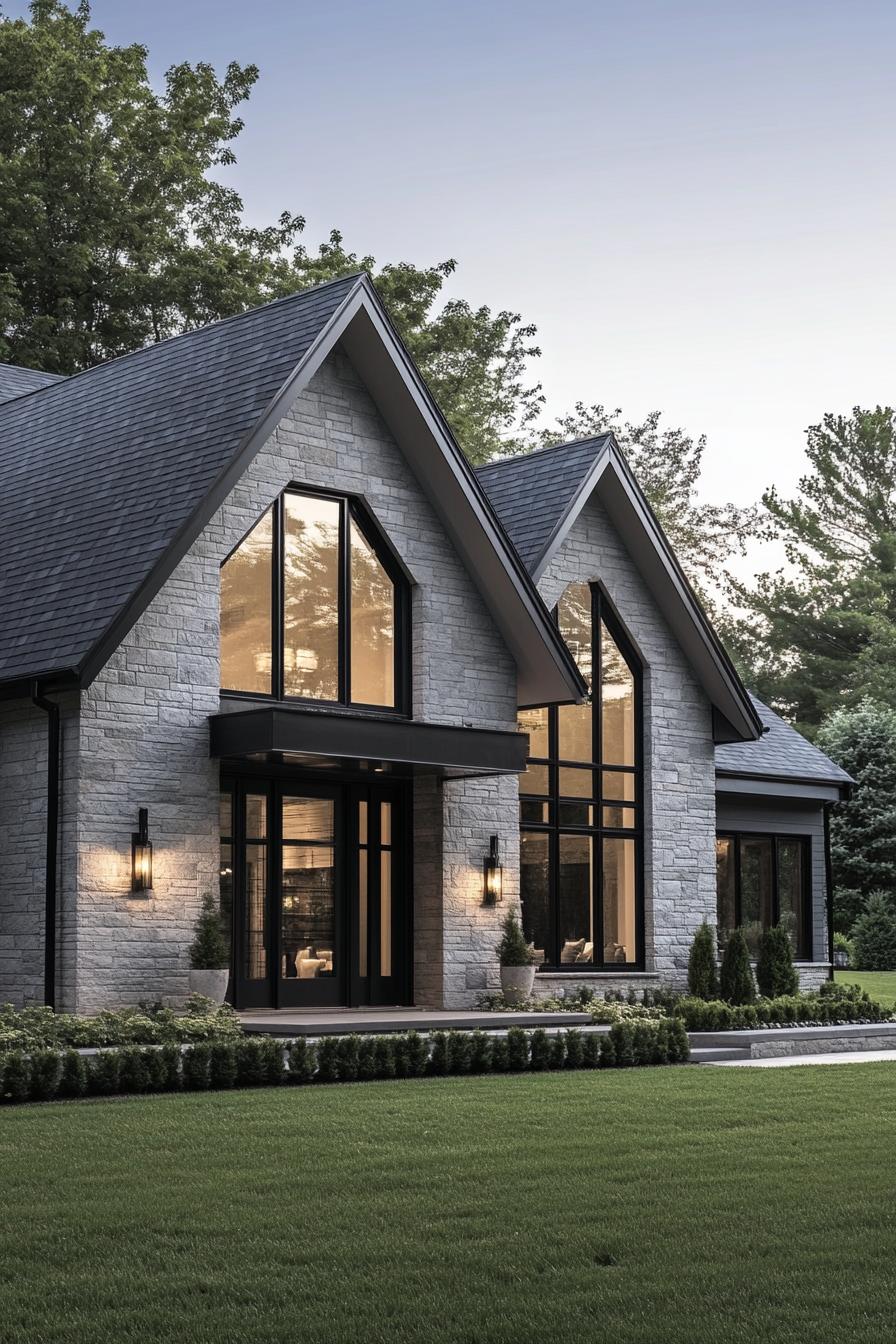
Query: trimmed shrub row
point(787, 1010)
point(264, 1061)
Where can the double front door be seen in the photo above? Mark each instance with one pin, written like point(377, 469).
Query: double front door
point(316, 877)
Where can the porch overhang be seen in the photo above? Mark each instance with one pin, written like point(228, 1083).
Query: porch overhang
point(400, 748)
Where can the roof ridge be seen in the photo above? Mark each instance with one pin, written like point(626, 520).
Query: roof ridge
point(181, 335)
point(516, 458)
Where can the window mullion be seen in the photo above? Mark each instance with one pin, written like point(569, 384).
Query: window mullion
point(278, 601)
point(344, 613)
point(597, 878)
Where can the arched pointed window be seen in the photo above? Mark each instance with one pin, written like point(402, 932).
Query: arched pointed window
point(315, 607)
point(581, 802)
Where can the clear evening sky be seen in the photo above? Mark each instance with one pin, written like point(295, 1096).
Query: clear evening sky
point(694, 202)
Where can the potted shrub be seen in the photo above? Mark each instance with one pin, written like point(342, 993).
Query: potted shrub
point(517, 961)
point(209, 953)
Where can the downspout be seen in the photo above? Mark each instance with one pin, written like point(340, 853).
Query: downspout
point(829, 883)
point(51, 708)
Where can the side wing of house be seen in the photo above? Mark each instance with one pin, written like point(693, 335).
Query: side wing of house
point(773, 801)
point(649, 813)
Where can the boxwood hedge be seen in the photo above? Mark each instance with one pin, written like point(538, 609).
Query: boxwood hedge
point(46, 1074)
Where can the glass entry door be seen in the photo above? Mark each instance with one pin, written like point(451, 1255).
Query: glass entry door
point(316, 878)
point(380, 945)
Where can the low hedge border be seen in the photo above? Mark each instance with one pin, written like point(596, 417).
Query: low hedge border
point(803, 1010)
point(265, 1061)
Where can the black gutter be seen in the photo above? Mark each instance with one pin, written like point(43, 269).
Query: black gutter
point(829, 883)
point(51, 708)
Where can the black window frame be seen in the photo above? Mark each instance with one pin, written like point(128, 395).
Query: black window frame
point(776, 837)
point(351, 510)
point(602, 610)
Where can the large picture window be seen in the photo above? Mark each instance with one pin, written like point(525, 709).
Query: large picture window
point(762, 880)
point(581, 802)
point(314, 607)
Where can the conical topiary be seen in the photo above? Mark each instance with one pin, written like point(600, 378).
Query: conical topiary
point(737, 984)
point(209, 950)
point(775, 971)
point(513, 950)
point(703, 977)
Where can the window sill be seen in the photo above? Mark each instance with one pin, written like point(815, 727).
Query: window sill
point(564, 974)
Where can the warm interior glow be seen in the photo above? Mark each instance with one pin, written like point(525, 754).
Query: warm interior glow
point(246, 662)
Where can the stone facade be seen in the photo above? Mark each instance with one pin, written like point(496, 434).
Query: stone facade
point(141, 738)
point(679, 760)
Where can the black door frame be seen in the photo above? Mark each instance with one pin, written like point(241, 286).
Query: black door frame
point(344, 989)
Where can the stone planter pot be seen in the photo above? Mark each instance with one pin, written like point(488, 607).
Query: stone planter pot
point(213, 984)
point(517, 982)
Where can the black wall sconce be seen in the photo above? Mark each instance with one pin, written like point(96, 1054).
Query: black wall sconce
point(141, 856)
point(493, 875)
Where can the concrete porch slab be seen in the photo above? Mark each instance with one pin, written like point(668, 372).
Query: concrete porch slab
point(345, 1021)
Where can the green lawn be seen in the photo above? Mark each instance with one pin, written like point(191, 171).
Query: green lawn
point(881, 985)
point(663, 1206)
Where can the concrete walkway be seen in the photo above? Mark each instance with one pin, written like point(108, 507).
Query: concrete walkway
point(790, 1061)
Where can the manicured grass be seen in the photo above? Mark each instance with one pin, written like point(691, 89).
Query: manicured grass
point(663, 1206)
point(881, 985)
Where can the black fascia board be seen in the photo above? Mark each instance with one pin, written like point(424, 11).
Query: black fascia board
point(292, 730)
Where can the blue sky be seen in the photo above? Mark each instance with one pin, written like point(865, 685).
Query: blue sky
point(693, 201)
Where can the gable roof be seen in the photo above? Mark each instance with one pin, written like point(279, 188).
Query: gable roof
point(16, 381)
point(109, 477)
point(781, 753)
point(533, 497)
point(538, 498)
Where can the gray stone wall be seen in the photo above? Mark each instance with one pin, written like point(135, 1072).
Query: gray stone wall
point(143, 726)
point(679, 782)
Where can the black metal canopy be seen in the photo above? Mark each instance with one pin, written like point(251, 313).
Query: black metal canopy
point(311, 738)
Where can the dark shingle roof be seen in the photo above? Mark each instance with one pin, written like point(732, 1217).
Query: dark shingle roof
point(100, 471)
point(15, 381)
point(781, 752)
point(532, 493)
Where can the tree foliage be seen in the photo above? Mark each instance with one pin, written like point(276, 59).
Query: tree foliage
point(116, 229)
point(874, 935)
point(667, 463)
point(821, 633)
point(863, 828)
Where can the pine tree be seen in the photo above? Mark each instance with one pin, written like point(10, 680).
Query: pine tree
point(736, 979)
point(703, 978)
point(863, 828)
point(874, 935)
point(775, 971)
point(822, 632)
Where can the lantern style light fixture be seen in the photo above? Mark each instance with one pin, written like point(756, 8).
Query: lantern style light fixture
point(141, 856)
point(493, 875)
